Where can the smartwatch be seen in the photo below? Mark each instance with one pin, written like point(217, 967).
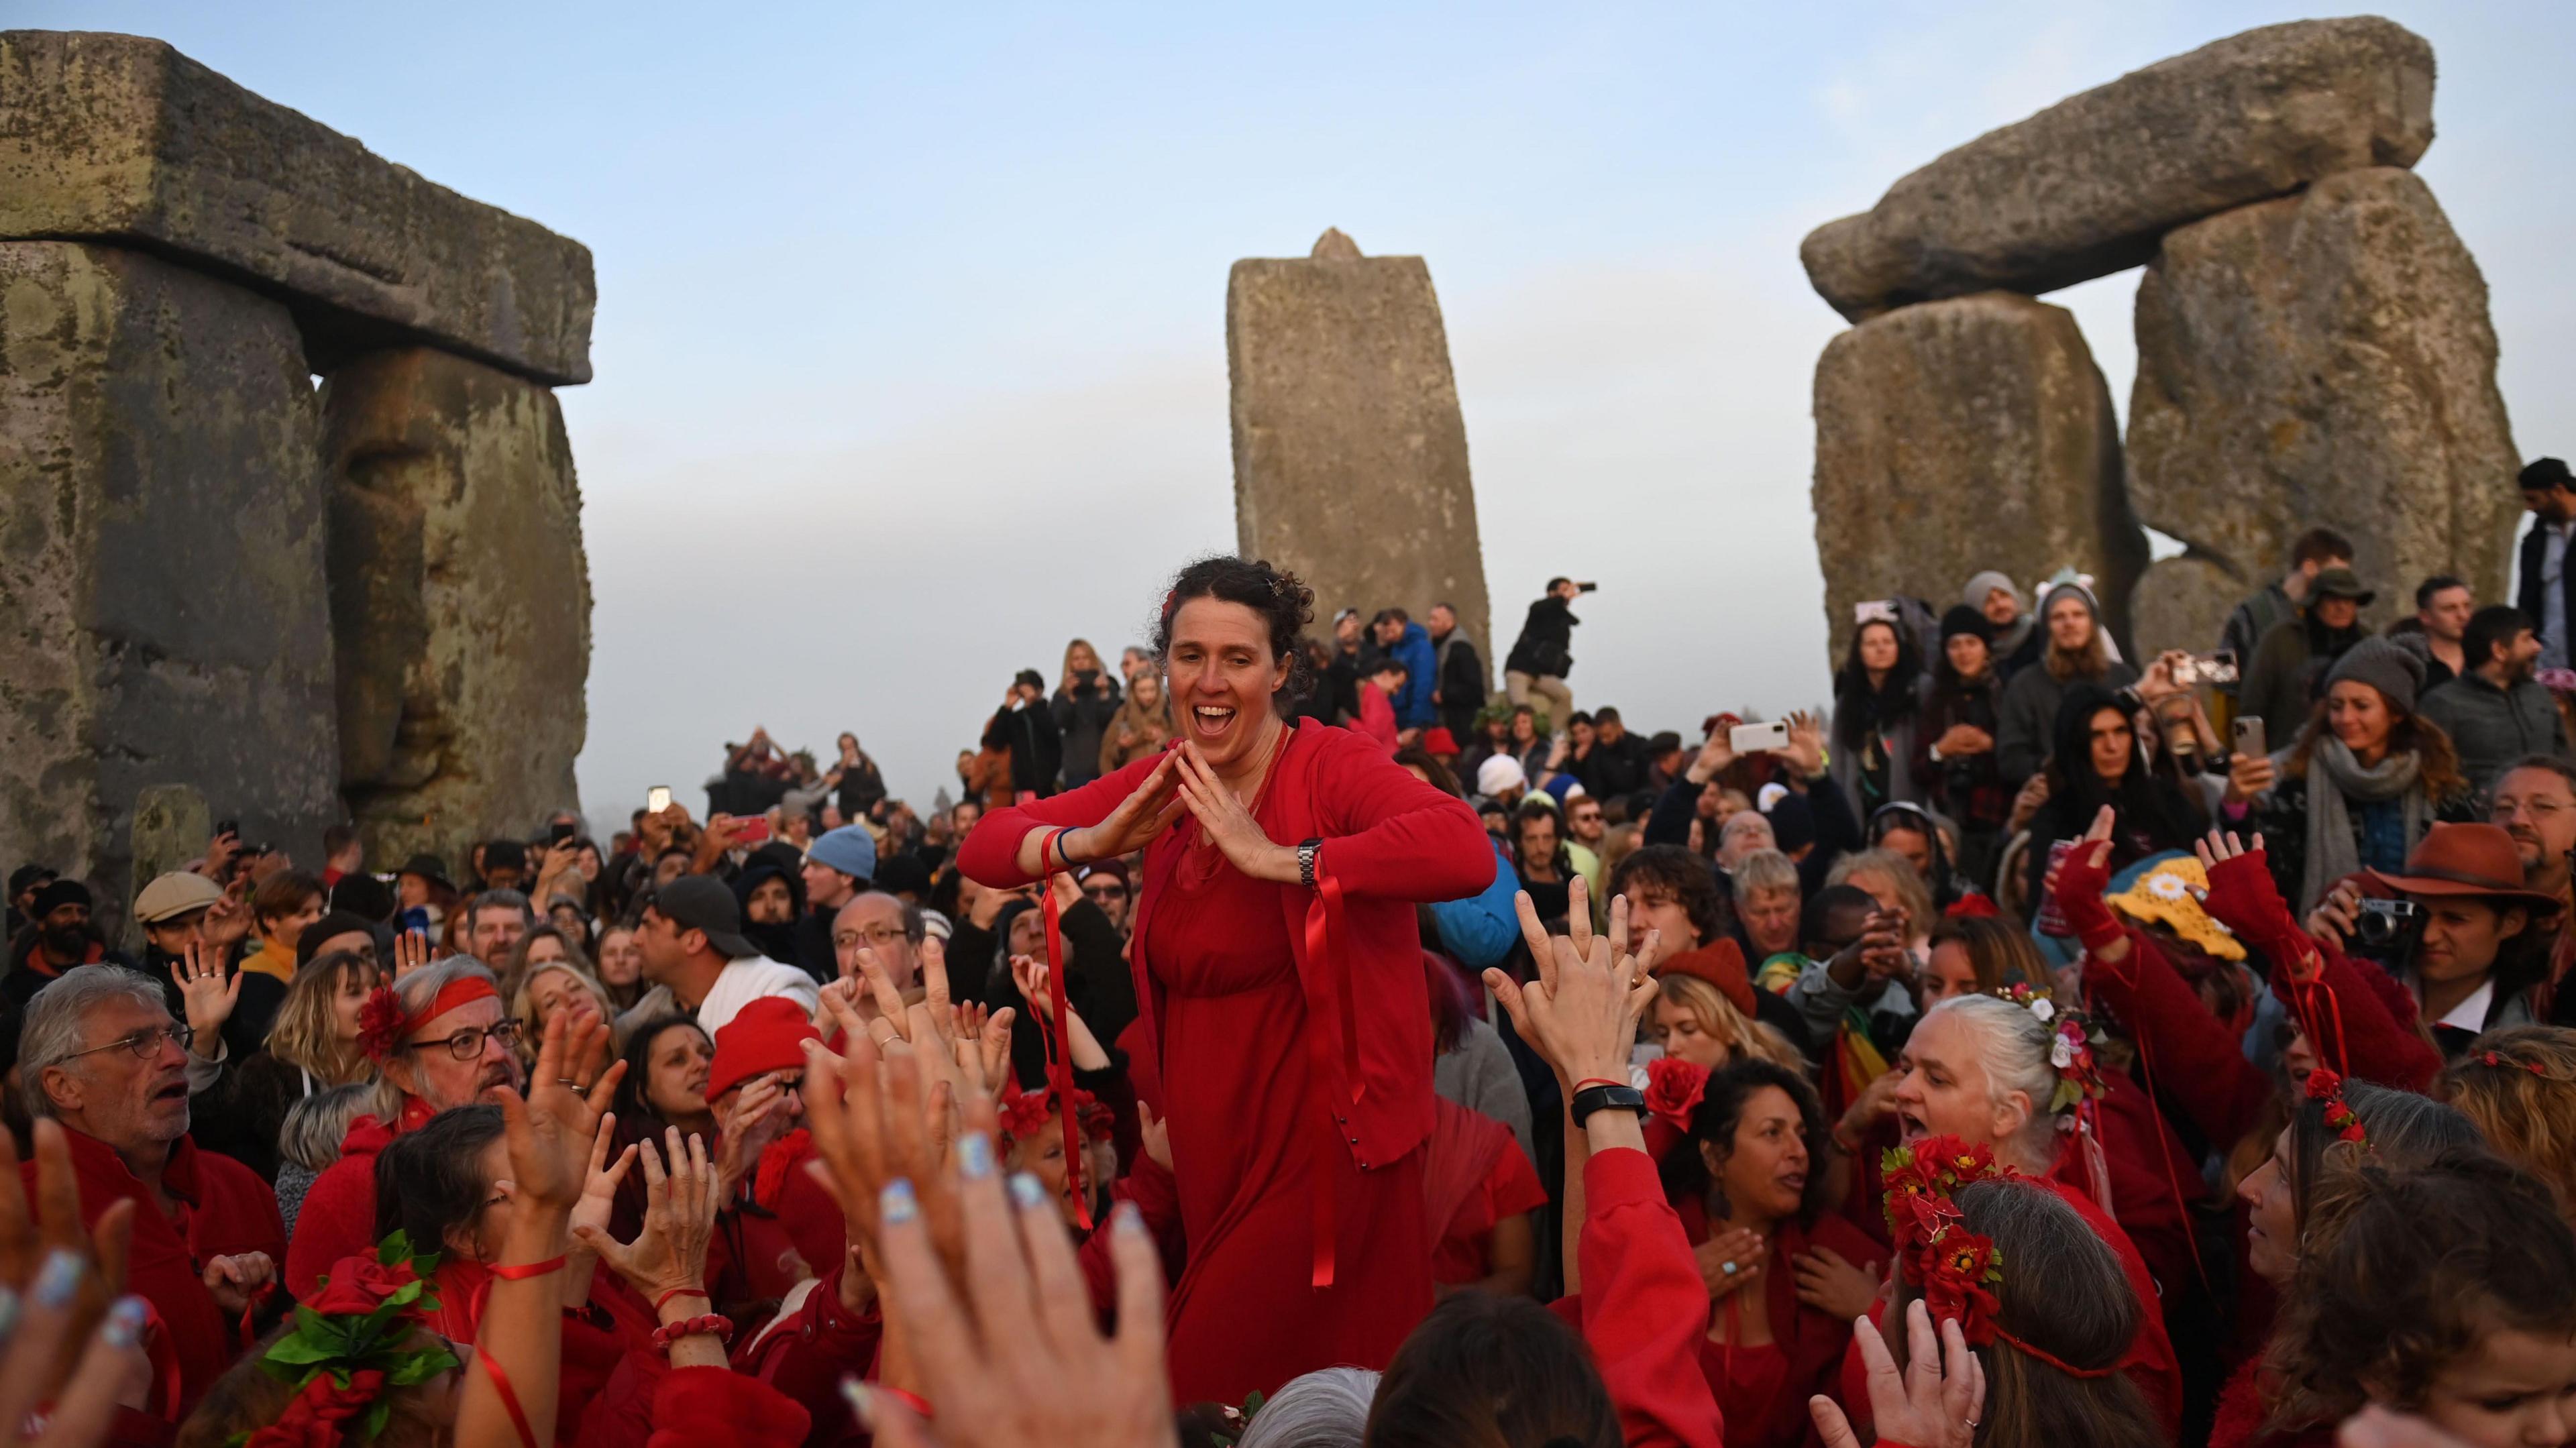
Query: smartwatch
point(1306, 852)
point(1597, 1098)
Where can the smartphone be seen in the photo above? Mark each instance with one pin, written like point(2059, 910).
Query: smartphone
point(558, 832)
point(1758, 738)
point(1876, 610)
point(2050, 920)
point(657, 799)
point(2249, 737)
point(751, 832)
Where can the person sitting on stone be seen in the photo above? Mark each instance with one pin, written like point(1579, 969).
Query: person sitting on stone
point(2497, 712)
point(100, 1054)
point(2282, 677)
point(2079, 651)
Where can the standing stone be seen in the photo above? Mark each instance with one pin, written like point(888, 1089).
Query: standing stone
point(171, 827)
point(2182, 603)
point(2325, 359)
point(459, 598)
point(2084, 188)
point(1962, 435)
point(123, 139)
point(161, 560)
point(1350, 457)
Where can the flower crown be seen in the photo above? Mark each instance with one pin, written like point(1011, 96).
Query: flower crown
point(1957, 1272)
point(2326, 1086)
point(2490, 1058)
point(1026, 1113)
point(2079, 1075)
point(349, 1347)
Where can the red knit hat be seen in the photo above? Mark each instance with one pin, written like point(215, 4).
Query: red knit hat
point(766, 1035)
point(1721, 964)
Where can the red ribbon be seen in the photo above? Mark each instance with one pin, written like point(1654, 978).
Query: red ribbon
point(1340, 1016)
point(1059, 1044)
point(509, 1398)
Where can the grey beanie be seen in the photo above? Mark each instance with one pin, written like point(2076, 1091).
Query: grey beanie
point(2384, 664)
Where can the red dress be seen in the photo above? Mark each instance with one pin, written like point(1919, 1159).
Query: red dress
point(1290, 1032)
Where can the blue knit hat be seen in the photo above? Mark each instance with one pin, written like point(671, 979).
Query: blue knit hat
point(849, 849)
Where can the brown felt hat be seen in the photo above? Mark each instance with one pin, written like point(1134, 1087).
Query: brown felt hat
point(2464, 859)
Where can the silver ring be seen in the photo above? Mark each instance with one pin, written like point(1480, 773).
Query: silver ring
point(1727, 1267)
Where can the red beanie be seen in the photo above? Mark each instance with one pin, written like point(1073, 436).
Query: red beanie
point(766, 1035)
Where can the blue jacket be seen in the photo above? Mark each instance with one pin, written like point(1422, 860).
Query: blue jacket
point(1413, 709)
point(1479, 930)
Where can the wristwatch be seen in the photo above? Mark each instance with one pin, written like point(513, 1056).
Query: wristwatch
point(1306, 853)
point(1596, 1098)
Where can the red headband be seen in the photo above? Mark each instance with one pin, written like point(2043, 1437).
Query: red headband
point(383, 1024)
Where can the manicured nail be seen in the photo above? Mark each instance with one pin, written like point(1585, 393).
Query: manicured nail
point(1026, 1192)
point(58, 1280)
point(1127, 1219)
point(896, 1203)
point(125, 1323)
point(8, 1311)
point(862, 1401)
point(975, 1156)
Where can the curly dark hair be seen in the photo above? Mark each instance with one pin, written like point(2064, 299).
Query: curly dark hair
point(1677, 872)
point(1284, 603)
point(1685, 1170)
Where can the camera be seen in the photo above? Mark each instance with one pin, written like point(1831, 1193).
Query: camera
point(2387, 929)
point(1587, 588)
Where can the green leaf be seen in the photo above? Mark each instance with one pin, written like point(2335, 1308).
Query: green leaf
point(300, 1350)
point(1251, 1404)
point(379, 1413)
point(416, 1368)
point(395, 1248)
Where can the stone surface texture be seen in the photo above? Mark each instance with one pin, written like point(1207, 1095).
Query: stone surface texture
point(1961, 435)
point(2325, 359)
point(2085, 187)
point(2181, 603)
point(1350, 456)
point(163, 617)
point(123, 139)
point(459, 598)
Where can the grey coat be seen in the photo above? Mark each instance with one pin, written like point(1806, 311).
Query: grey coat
point(2490, 728)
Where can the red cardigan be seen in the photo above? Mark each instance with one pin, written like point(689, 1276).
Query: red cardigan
point(1644, 1306)
point(224, 1210)
point(2378, 1040)
point(1390, 842)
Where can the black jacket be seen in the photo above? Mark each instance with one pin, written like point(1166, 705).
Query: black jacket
point(2527, 595)
point(1080, 718)
point(1462, 684)
point(1037, 751)
point(1546, 645)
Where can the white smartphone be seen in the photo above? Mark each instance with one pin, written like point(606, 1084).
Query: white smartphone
point(657, 799)
point(1759, 738)
point(1876, 610)
point(2249, 737)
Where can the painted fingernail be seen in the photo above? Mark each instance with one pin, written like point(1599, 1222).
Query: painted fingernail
point(1127, 1219)
point(975, 1155)
point(863, 1402)
point(1026, 1192)
point(896, 1203)
point(125, 1323)
point(58, 1280)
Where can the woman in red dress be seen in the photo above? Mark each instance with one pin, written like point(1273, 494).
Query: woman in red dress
point(1278, 968)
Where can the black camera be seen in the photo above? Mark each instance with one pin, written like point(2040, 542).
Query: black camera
point(2387, 930)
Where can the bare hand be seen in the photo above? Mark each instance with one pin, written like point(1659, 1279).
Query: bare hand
point(411, 952)
point(1714, 757)
point(2248, 777)
point(550, 1133)
point(1875, 1103)
point(226, 921)
point(1935, 1403)
point(1834, 1286)
point(206, 995)
point(235, 1281)
point(670, 1254)
point(2026, 804)
point(1156, 1135)
point(1148, 810)
point(599, 1188)
point(2337, 916)
point(1582, 1011)
point(1731, 1260)
point(1805, 751)
point(1224, 819)
point(1964, 739)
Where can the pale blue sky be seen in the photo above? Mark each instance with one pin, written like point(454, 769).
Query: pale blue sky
point(911, 356)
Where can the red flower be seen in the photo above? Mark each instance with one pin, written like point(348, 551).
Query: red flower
point(357, 1286)
point(313, 1419)
point(1673, 1090)
point(382, 1023)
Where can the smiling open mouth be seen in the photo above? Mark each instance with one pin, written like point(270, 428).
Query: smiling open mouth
point(1211, 720)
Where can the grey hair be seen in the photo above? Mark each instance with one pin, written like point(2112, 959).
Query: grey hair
point(2014, 1043)
point(1327, 1408)
point(1764, 870)
point(316, 1125)
point(51, 1032)
point(416, 991)
point(500, 900)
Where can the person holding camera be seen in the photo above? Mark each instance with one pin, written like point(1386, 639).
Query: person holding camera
point(2457, 925)
point(2366, 778)
point(1024, 730)
point(1085, 702)
point(1544, 654)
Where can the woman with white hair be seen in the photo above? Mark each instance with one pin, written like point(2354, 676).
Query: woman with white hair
point(1327, 1408)
point(2017, 1078)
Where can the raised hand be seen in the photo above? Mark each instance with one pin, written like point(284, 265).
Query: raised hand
point(206, 995)
point(760, 1115)
point(1935, 1403)
point(599, 1186)
point(1227, 823)
point(1805, 751)
point(873, 1121)
point(669, 1256)
point(32, 1237)
point(1582, 1011)
point(411, 952)
point(550, 1133)
point(1148, 810)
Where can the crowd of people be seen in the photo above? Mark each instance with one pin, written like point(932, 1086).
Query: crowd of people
point(2041, 1048)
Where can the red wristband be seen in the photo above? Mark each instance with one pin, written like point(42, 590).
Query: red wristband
point(660, 1302)
point(671, 1332)
point(521, 1272)
point(1597, 1081)
point(915, 1401)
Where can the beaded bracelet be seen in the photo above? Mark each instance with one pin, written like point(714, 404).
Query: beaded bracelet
point(671, 1332)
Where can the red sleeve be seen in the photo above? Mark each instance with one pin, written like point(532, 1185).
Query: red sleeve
point(338, 1219)
point(991, 854)
point(716, 1405)
point(2379, 1041)
point(2189, 1051)
point(1149, 1184)
point(1389, 836)
point(806, 1356)
point(1513, 1186)
point(1644, 1306)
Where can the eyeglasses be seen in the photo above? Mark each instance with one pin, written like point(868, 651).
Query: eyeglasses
point(1106, 892)
point(880, 937)
point(467, 1044)
point(145, 1044)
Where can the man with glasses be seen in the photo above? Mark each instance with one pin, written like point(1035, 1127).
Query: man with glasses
point(101, 1055)
point(1105, 885)
point(837, 868)
point(891, 928)
point(2535, 802)
point(442, 1040)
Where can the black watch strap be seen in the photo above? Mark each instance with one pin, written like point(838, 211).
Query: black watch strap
point(1597, 1098)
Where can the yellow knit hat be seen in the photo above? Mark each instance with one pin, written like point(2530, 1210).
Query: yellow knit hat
point(2170, 894)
